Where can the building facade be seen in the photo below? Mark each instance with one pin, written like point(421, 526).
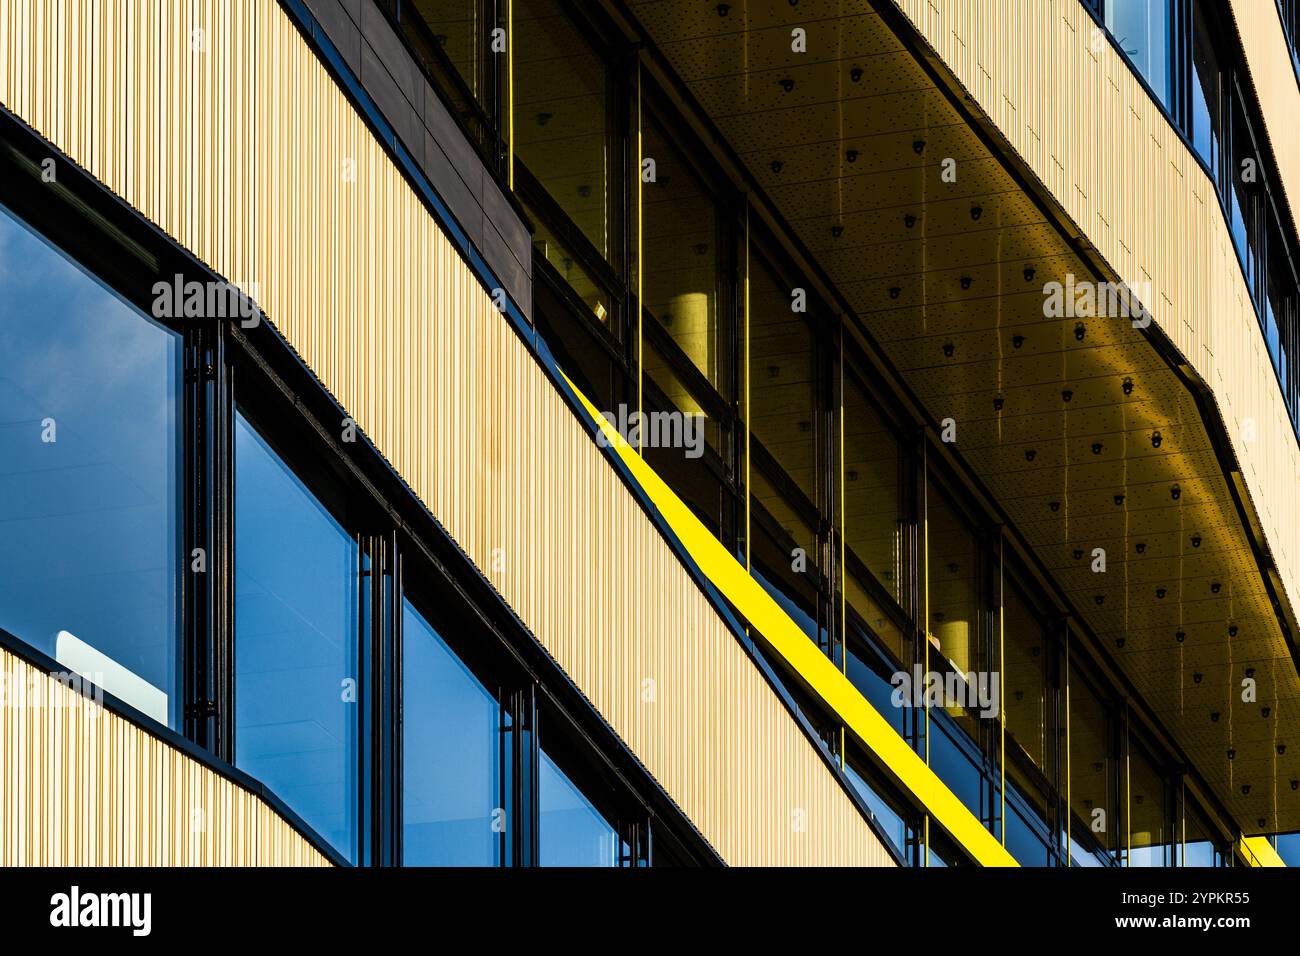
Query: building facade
point(649, 432)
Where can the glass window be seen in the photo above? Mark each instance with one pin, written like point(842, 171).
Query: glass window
point(678, 396)
point(1092, 765)
point(575, 275)
point(873, 508)
point(1089, 856)
point(1141, 28)
point(1200, 846)
point(450, 38)
point(883, 811)
point(955, 760)
point(885, 630)
point(581, 351)
point(1148, 830)
point(561, 110)
point(1206, 119)
point(1279, 302)
point(1245, 176)
point(451, 750)
point(1288, 848)
point(954, 591)
point(782, 386)
point(458, 29)
point(943, 850)
point(680, 246)
point(572, 830)
point(1290, 10)
point(1024, 680)
point(90, 541)
point(296, 626)
point(874, 678)
point(784, 549)
point(1026, 841)
point(685, 444)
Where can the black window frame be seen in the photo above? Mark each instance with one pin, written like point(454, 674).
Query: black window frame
point(225, 363)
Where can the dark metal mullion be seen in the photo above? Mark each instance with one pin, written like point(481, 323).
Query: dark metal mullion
point(526, 757)
point(393, 705)
point(507, 730)
point(378, 732)
point(207, 701)
point(193, 657)
point(221, 557)
point(364, 576)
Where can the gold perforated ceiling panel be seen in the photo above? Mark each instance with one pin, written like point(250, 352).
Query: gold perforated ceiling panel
point(849, 140)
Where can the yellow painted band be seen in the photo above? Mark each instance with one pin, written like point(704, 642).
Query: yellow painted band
point(1259, 852)
point(804, 659)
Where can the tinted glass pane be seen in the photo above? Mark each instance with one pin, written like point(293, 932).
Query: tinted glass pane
point(1025, 841)
point(1198, 847)
point(1244, 172)
point(680, 248)
point(573, 833)
point(784, 548)
point(560, 110)
point(457, 28)
point(782, 389)
point(1024, 680)
point(1288, 848)
point(954, 589)
point(886, 632)
point(1141, 27)
point(943, 851)
point(1279, 302)
point(577, 347)
point(956, 766)
point(89, 446)
point(1206, 122)
point(890, 820)
point(875, 679)
point(1201, 853)
point(673, 394)
point(450, 755)
point(295, 643)
point(1149, 833)
point(1084, 857)
point(1091, 765)
point(872, 503)
point(592, 294)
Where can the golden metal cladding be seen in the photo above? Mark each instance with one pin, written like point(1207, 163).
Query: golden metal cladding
point(851, 139)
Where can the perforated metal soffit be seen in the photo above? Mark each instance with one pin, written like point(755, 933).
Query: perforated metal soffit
point(839, 152)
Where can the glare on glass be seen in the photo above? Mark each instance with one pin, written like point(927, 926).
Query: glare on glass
point(451, 813)
point(573, 833)
point(89, 466)
point(296, 688)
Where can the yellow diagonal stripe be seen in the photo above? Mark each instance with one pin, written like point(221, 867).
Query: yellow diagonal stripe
point(814, 669)
point(1259, 852)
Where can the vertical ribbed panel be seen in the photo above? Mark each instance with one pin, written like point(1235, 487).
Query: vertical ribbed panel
point(81, 786)
point(1072, 108)
point(241, 153)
